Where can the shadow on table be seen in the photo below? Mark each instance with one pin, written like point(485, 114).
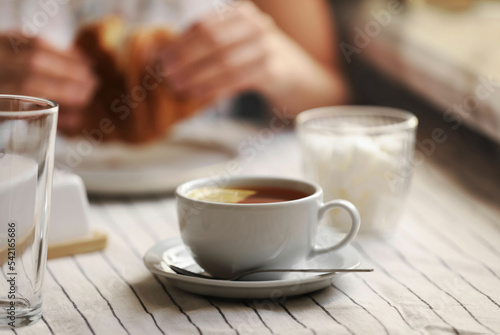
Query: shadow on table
point(157, 293)
point(469, 159)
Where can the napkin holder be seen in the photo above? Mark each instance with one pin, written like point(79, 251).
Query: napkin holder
point(69, 231)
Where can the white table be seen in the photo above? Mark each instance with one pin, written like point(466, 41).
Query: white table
point(439, 274)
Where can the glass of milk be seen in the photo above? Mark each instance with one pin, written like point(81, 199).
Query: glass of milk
point(27, 135)
point(362, 154)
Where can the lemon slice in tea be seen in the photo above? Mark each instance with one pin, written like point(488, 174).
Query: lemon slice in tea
point(224, 195)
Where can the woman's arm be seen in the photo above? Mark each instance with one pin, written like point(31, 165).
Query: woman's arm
point(310, 24)
point(248, 49)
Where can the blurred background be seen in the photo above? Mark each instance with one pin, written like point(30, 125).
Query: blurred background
point(439, 56)
point(438, 59)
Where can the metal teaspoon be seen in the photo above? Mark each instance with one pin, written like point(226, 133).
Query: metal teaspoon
point(185, 272)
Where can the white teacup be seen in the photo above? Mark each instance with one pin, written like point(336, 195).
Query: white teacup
point(230, 238)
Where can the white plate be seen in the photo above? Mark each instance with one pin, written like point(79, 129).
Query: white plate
point(292, 284)
point(154, 169)
point(194, 149)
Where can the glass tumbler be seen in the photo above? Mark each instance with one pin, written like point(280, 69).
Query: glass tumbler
point(362, 154)
point(27, 135)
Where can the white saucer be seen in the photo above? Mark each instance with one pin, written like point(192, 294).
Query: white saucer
point(292, 284)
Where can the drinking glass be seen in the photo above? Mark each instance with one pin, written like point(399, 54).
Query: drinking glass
point(27, 135)
point(361, 154)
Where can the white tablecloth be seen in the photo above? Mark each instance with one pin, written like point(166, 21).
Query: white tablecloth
point(439, 274)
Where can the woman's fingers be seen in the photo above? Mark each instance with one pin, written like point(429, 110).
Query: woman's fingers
point(247, 76)
point(210, 39)
point(201, 41)
point(222, 65)
point(38, 56)
point(223, 59)
point(68, 66)
point(38, 69)
point(62, 91)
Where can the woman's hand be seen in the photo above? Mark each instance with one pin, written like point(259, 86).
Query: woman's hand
point(33, 67)
point(243, 50)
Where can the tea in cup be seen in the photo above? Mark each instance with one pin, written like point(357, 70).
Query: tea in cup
point(254, 222)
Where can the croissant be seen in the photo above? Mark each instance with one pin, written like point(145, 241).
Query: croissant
point(133, 94)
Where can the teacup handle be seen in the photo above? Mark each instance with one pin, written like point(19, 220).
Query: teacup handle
point(355, 223)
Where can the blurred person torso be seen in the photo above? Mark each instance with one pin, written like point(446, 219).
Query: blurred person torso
point(57, 21)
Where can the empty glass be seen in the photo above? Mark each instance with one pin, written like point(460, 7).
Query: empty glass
point(27, 135)
point(361, 154)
